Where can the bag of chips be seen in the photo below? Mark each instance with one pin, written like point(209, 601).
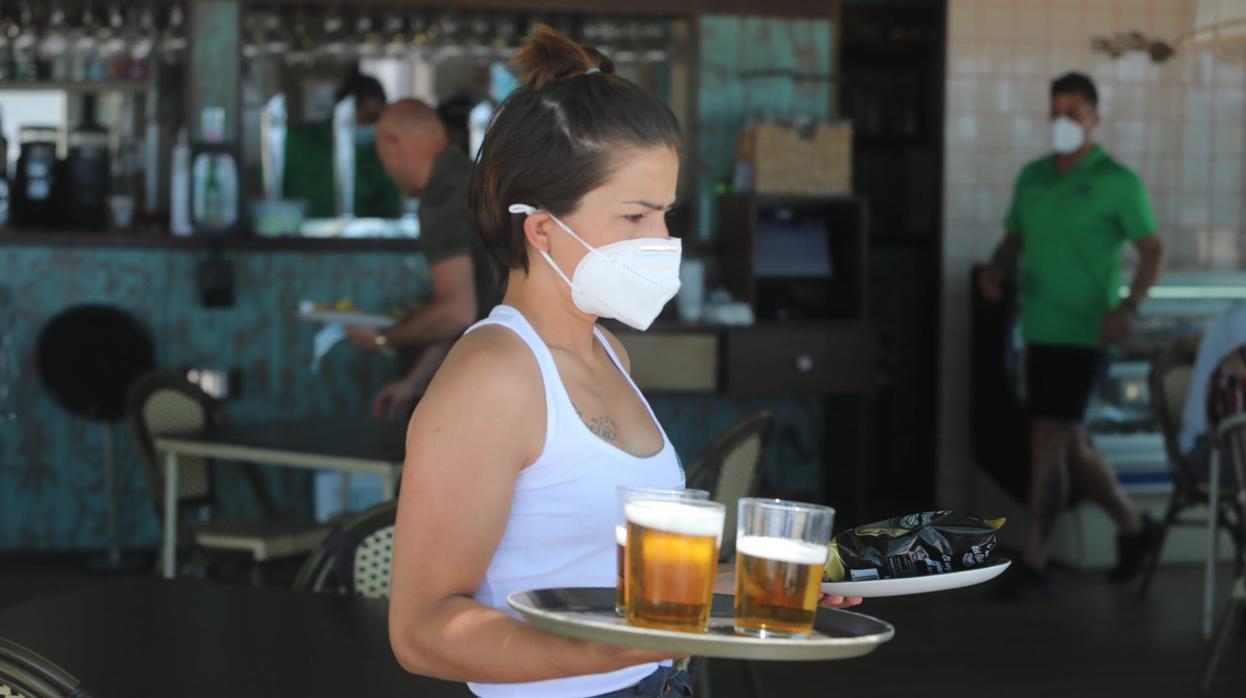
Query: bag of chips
point(916, 545)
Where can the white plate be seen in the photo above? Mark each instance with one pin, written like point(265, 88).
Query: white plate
point(877, 588)
point(352, 317)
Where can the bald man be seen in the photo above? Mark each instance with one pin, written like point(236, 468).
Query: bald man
point(416, 153)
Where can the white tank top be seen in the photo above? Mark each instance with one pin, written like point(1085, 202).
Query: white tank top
point(561, 527)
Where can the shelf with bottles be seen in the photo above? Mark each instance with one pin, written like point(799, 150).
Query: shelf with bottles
point(81, 42)
point(128, 86)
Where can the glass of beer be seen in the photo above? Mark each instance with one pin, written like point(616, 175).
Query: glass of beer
point(626, 494)
point(672, 555)
point(781, 548)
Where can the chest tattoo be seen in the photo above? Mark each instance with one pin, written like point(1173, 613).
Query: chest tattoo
point(604, 427)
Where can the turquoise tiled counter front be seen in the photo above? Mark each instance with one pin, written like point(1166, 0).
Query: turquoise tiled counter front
point(51, 484)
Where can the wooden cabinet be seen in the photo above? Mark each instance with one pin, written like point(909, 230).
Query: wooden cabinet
point(785, 359)
point(674, 362)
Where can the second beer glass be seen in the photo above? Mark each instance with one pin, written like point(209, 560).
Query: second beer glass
point(780, 552)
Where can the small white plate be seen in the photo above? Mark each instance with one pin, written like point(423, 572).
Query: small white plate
point(876, 588)
point(352, 317)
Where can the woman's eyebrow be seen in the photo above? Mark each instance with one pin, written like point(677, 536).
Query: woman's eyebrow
point(652, 205)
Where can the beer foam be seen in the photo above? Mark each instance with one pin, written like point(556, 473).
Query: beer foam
point(676, 517)
point(620, 535)
point(798, 552)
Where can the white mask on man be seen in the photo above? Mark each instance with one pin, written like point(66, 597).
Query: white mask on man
point(1067, 136)
point(629, 281)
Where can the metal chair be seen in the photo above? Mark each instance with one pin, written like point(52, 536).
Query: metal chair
point(1231, 447)
point(355, 559)
point(730, 468)
point(1170, 376)
point(27, 674)
point(166, 402)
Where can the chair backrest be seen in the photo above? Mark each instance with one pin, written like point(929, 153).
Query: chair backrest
point(356, 558)
point(730, 468)
point(166, 402)
point(1170, 376)
point(26, 673)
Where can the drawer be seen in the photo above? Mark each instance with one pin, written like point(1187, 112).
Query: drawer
point(676, 362)
point(821, 359)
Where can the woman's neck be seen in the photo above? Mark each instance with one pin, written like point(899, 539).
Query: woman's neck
point(544, 300)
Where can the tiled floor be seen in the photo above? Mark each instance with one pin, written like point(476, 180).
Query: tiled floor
point(1092, 640)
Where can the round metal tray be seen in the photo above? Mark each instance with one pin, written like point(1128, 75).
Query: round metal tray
point(588, 614)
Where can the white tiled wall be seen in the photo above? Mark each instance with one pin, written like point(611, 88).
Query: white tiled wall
point(1180, 125)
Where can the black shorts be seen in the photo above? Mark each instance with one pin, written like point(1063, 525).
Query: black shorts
point(1059, 380)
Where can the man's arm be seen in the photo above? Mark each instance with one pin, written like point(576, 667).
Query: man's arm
point(397, 398)
point(451, 310)
point(1003, 266)
point(1150, 264)
point(1118, 324)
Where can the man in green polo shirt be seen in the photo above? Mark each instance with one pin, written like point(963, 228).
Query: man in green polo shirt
point(1072, 213)
point(417, 154)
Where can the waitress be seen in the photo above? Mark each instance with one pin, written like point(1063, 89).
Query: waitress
point(515, 452)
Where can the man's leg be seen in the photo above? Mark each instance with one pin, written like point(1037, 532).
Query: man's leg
point(1137, 538)
point(1092, 476)
point(1049, 485)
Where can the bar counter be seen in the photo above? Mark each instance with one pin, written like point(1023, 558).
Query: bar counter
point(51, 495)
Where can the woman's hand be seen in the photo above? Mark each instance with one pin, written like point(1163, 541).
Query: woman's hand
point(836, 601)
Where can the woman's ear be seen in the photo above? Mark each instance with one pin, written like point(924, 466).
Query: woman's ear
point(536, 230)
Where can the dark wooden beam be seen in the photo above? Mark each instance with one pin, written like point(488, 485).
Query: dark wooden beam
point(775, 8)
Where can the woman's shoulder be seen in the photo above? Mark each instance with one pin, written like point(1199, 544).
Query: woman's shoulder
point(482, 397)
point(491, 359)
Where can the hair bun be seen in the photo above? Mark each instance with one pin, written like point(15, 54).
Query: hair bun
point(548, 55)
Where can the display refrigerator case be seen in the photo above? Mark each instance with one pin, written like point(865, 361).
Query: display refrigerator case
point(1120, 419)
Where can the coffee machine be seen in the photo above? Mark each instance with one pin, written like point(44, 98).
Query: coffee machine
point(32, 201)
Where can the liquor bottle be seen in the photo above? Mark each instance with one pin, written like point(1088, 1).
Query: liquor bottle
point(214, 177)
point(88, 173)
point(179, 187)
point(4, 176)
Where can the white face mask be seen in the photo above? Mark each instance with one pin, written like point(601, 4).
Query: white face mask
point(629, 281)
point(1067, 136)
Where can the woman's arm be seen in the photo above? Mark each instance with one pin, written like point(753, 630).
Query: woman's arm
point(469, 438)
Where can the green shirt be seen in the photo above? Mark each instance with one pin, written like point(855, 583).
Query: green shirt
point(446, 229)
point(1073, 227)
point(308, 175)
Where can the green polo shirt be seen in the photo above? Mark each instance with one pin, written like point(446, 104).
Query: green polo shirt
point(308, 175)
point(1073, 227)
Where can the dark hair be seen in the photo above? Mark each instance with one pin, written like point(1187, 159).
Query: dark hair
point(1076, 83)
point(454, 112)
point(361, 87)
point(551, 141)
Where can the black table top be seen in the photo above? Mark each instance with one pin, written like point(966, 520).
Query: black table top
point(147, 637)
point(345, 436)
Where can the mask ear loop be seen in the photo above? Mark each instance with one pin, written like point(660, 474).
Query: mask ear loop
point(527, 210)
